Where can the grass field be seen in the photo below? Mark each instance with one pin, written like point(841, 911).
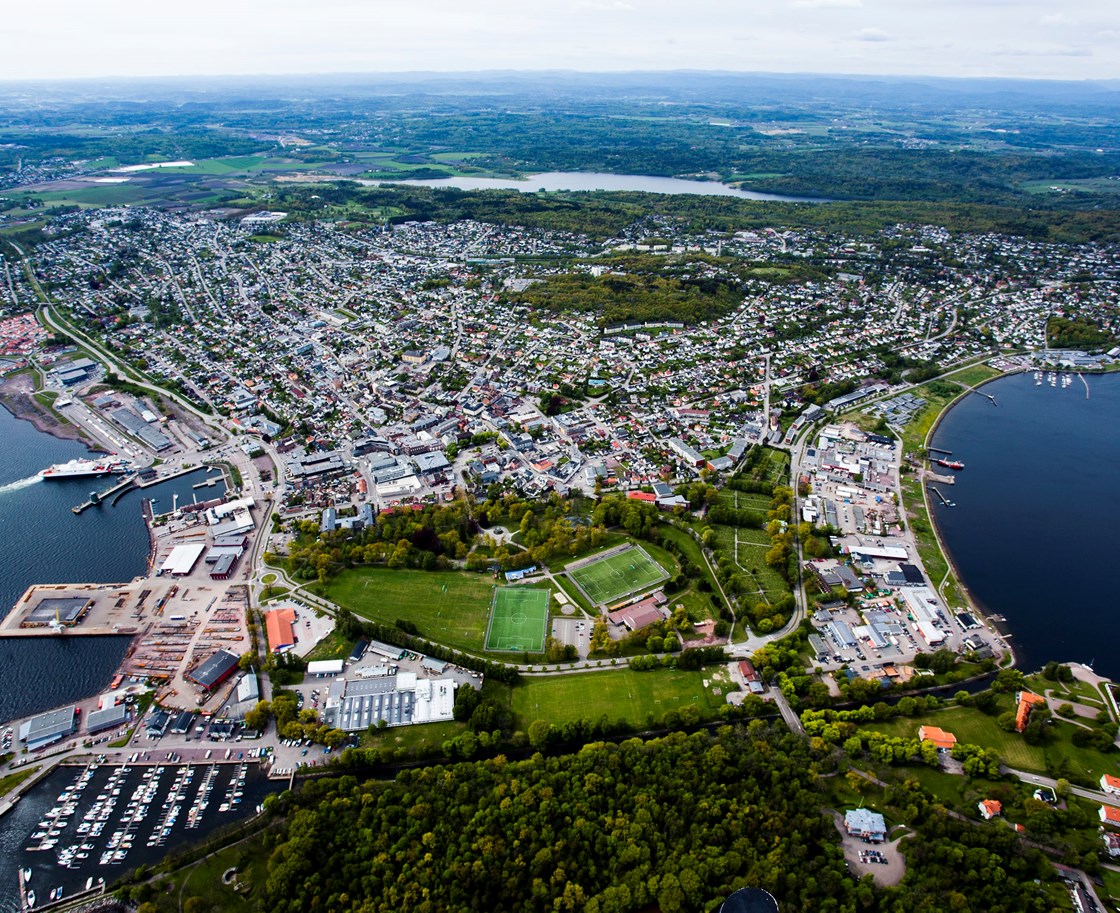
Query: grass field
point(750, 558)
point(609, 579)
point(977, 728)
point(620, 694)
point(446, 606)
point(518, 619)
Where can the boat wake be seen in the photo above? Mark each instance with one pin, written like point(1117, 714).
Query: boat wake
point(22, 483)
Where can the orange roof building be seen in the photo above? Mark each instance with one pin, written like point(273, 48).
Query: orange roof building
point(279, 624)
point(1110, 784)
point(1110, 815)
point(942, 740)
point(1026, 701)
point(989, 808)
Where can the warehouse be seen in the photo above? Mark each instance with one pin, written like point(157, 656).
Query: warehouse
point(214, 670)
point(67, 610)
point(48, 728)
point(109, 718)
point(182, 560)
point(386, 650)
point(397, 700)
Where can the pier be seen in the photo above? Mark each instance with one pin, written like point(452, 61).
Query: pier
point(986, 396)
point(939, 450)
point(134, 480)
point(945, 501)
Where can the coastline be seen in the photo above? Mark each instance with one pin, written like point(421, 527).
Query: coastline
point(970, 602)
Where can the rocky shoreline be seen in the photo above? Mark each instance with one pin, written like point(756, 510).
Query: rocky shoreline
point(17, 395)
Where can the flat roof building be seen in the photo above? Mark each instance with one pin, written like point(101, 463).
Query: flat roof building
point(48, 728)
point(67, 610)
point(325, 667)
point(109, 718)
point(182, 559)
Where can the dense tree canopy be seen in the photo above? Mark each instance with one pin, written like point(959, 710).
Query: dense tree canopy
point(672, 824)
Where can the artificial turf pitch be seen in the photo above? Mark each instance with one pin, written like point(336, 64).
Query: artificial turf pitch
point(618, 575)
point(518, 620)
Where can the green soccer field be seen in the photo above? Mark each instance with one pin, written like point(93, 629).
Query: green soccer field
point(618, 575)
point(518, 620)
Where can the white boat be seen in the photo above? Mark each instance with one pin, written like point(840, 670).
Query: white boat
point(30, 899)
point(89, 882)
point(26, 874)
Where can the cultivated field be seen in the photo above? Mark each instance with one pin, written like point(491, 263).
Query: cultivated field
point(609, 579)
point(518, 620)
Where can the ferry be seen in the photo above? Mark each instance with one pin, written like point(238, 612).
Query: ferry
point(76, 469)
point(950, 464)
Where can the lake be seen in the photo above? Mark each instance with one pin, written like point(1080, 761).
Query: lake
point(591, 180)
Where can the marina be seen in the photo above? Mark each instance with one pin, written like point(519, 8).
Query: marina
point(84, 826)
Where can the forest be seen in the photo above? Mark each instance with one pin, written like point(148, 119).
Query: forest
point(604, 214)
point(673, 824)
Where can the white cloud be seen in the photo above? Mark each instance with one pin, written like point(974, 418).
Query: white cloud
point(871, 34)
point(828, 4)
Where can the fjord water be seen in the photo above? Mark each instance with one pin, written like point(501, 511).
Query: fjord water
point(1032, 533)
point(42, 541)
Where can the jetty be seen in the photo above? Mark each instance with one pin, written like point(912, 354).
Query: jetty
point(95, 498)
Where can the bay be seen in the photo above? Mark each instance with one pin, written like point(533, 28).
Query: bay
point(1031, 534)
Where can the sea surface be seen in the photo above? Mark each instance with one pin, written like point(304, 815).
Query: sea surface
point(590, 180)
point(42, 541)
point(1033, 530)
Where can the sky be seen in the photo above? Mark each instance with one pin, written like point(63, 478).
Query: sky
point(62, 39)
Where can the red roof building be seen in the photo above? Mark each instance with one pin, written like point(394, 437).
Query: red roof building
point(279, 624)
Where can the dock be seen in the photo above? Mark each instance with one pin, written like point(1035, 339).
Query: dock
point(986, 396)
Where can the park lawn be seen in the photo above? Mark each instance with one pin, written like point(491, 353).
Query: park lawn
point(971, 376)
point(450, 607)
point(204, 880)
point(974, 727)
point(1111, 883)
point(618, 694)
point(11, 781)
point(753, 546)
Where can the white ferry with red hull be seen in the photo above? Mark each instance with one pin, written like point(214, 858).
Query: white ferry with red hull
point(77, 469)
